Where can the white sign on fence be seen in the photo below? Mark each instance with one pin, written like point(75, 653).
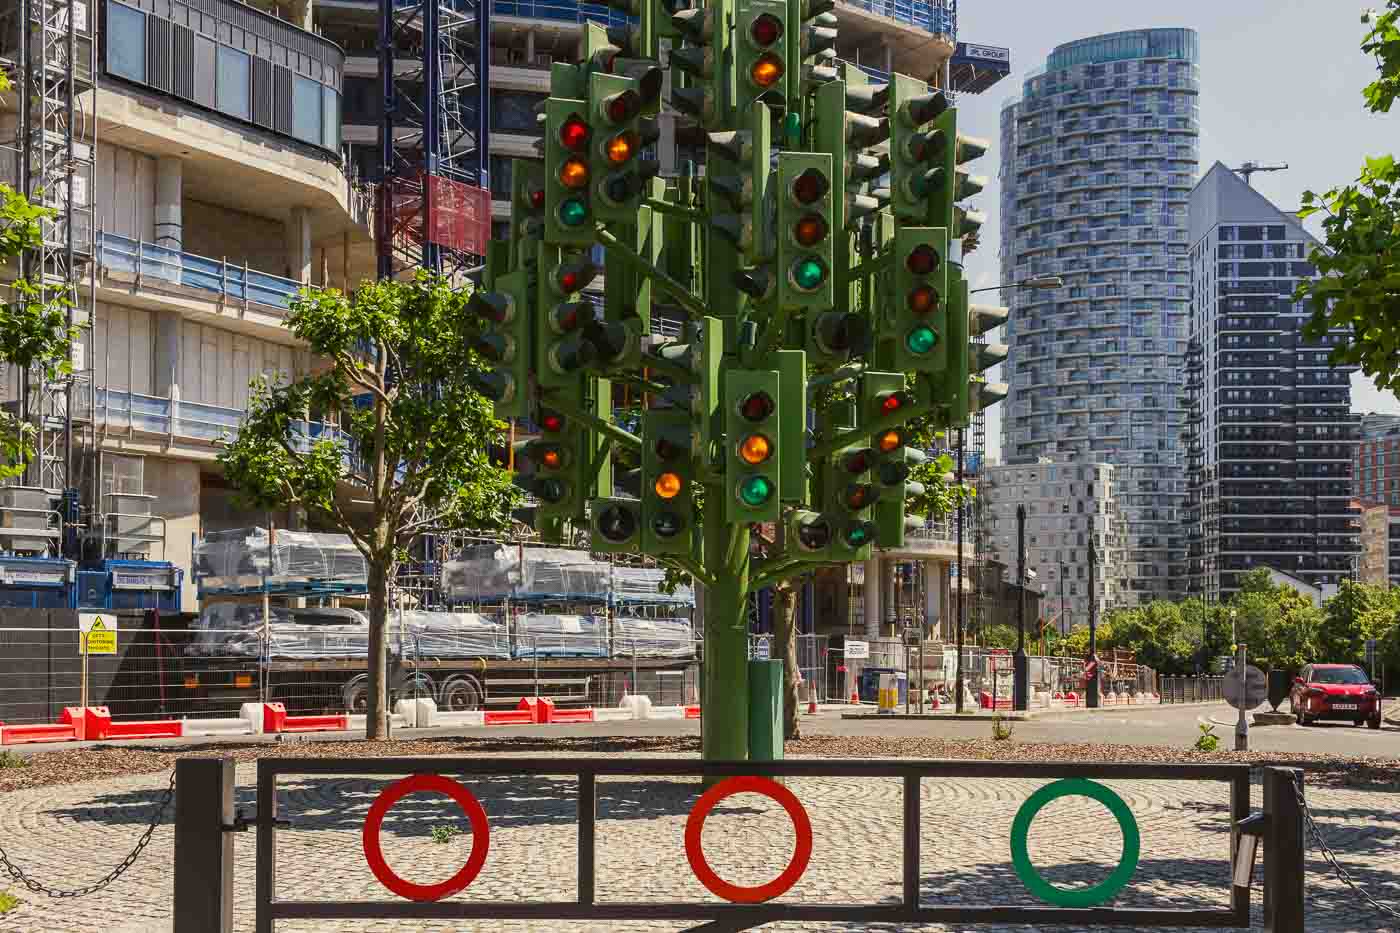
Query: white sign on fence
point(857, 649)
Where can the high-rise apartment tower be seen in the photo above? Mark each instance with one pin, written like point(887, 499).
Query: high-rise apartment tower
point(1098, 156)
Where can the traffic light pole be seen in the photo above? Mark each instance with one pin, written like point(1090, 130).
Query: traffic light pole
point(1091, 686)
point(724, 729)
point(962, 581)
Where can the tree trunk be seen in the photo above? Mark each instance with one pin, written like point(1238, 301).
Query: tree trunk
point(785, 636)
point(377, 711)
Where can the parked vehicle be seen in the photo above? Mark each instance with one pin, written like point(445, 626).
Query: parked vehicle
point(1335, 691)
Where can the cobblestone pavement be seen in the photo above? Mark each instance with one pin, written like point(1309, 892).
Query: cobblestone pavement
point(70, 835)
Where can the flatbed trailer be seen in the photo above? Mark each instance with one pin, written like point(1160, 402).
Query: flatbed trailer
point(341, 684)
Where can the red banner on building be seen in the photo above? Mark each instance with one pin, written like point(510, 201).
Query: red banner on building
point(458, 216)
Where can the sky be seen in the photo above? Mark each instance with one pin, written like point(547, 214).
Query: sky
point(1281, 83)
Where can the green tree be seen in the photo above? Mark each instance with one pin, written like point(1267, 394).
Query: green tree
point(34, 332)
point(1358, 283)
point(1278, 626)
point(411, 451)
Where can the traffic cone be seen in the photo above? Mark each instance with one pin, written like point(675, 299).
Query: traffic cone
point(811, 702)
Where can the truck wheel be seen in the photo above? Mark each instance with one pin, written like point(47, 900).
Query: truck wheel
point(415, 686)
point(461, 693)
point(355, 695)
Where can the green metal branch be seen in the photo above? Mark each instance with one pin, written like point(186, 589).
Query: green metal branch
point(842, 374)
point(598, 424)
point(693, 568)
point(873, 266)
point(675, 289)
point(781, 570)
point(637, 382)
point(676, 210)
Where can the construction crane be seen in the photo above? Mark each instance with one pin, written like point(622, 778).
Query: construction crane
point(1249, 168)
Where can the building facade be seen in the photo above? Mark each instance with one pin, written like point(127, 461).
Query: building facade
point(1380, 544)
point(1098, 157)
point(1068, 506)
point(1271, 437)
point(1376, 467)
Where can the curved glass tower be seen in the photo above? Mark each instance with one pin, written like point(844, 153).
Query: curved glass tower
point(1099, 155)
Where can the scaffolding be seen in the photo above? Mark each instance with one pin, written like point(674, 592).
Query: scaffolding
point(433, 141)
point(50, 52)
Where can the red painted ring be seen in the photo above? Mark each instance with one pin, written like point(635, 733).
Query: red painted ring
point(801, 854)
point(374, 855)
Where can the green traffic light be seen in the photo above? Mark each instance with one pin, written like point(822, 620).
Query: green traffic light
point(808, 274)
point(858, 536)
point(572, 212)
point(755, 491)
point(921, 340)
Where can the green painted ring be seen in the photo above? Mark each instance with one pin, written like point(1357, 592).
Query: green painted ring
point(1078, 897)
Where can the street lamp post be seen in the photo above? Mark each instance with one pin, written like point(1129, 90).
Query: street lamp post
point(1091, 686)
point(1064, 629)
point(962, 581)
point(1022, 668)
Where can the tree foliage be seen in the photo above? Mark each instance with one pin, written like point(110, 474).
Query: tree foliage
point(1358, 283)
point(34, 332)
point(408, 452)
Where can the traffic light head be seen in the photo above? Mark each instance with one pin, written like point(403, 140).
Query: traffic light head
point(760, 51)
point(568, 134)
point(668, 494)
point(503, 337)
point(619, 174)
point(915, 171)
point(562, 350)
point(805, 220)
point(616, 525)
point(752, 465)
point(918, 309)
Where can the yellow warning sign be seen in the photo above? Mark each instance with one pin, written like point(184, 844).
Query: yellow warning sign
point(97, 633)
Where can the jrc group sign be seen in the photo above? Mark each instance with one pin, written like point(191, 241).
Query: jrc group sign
point(97, 633)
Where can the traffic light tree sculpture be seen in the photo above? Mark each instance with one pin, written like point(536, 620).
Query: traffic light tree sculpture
point(825, 335)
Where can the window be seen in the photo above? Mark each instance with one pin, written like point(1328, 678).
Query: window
point(514, 112)
point(330, 118)
point(234, 83)
point(306, 109)
point(126, 42)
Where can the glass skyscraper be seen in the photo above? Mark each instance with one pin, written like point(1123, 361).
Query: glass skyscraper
point(1098, 158)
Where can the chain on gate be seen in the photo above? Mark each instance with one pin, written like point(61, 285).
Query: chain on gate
point(1342, 874)
point(39, 887)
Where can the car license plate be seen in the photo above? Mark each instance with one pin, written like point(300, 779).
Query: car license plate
point(1344, 706)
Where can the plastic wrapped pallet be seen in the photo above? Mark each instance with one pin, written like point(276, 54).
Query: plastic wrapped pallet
point(230, 629)
point(652, 638)
point(538, 635)
point(500, 572)
point(644, 584)
point(243, 557)
point(235, 629)
point(454, 634)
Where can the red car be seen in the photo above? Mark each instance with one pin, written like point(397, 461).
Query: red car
point(1335, 691)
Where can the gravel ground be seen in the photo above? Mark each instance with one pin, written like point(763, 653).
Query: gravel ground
point(67, 767)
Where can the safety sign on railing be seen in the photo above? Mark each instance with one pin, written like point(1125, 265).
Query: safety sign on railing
point(97, 633)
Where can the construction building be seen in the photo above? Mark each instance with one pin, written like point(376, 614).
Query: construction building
point(1270, 436)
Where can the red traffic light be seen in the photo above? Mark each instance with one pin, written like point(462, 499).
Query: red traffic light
point(756, 406)
point(891, 403)
point(922, 260)
point(809, 230)
point(665, 450)
point(923, 299)
point(809, 187)
point(765, 30)
point(857, 461)
point(575, 277)
point(574, 133)
point(536, 198)
point(621, 107)
point(551, 421)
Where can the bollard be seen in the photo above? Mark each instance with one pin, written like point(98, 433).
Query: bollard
point(1286, 844)
point(204, 821)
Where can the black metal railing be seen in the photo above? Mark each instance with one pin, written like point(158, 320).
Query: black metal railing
point(204, 853)
point(1178, 689)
